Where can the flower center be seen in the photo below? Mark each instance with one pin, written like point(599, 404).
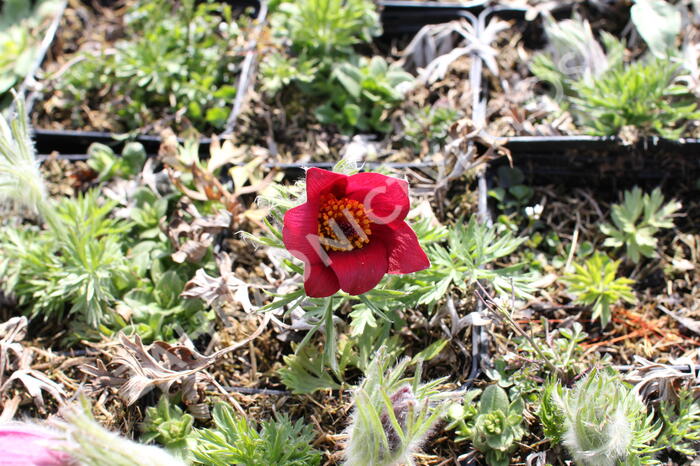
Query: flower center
point(343, 224)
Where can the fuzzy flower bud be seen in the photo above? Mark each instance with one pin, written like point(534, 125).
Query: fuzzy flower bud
point(392, 416)
point(605, 421)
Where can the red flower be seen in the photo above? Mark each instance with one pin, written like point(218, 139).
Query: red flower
point(351, 231)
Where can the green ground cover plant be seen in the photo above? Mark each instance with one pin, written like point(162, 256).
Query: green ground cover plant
point(173, 63)
point(316, 64)
point(605, 92)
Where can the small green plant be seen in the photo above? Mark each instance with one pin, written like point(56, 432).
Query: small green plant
point(279, 71)
point(512, 197)
point(169, 426)
point(550, 414)
point(637, 220)
point(22, 25)
point(326, 28)
point(681, 423)
point(605, 95)
point(493, 428)
point(461, 415)
point(392, 415)
point(574, 55)
point(235, 440)
point(642, 95)
point(318, 62)
point(471, 251)
point(369, 91)
point(427, 128)
point(562, 347)
point(147, 213)
point(172, 60)
point(108, 165)
point(511, 192)
point(79, 269)
point(605, 422)
point(595, 284)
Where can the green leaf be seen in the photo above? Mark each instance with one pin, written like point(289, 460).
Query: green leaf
point(305, 373)
point(431, 351)
point(498, 193)
point(351, 79)
point(494, 398)
point(658, 22)
point(134, 156)
point(352, 113)
point(361, 319)
point(521, 192)
point(226, 92)
point(217, 116)
point(168, 289)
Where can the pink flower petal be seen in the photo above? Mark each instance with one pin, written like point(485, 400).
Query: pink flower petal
point(360, 270)
point(29, 445)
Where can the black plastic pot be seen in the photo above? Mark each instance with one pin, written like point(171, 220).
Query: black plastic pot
point(585, 161)
point(581, 160)
point(407, 17)
point(77, 142)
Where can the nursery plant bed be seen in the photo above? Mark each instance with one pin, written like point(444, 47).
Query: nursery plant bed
point(399, 18)
point(582, 160)
point(74, 142)
point(264, 359)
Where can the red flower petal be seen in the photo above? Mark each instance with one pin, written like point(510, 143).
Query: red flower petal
point(320, 281)
point(384, 197)
point(300, 230)
point(404, 251)
point(320, 181)
point(360, 270)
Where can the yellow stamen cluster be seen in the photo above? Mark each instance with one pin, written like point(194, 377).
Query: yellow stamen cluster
point(343, 224)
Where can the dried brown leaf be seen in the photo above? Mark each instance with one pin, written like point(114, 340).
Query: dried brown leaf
point(136, 369)
point(226, 288)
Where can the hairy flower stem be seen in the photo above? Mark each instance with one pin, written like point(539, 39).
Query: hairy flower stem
point(21, 180)
point(500, 311)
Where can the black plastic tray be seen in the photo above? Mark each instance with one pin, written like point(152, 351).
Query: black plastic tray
point(407, 17)
point(77, 142)
point(586, 161)
point(572, 160)
point(398, 17)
